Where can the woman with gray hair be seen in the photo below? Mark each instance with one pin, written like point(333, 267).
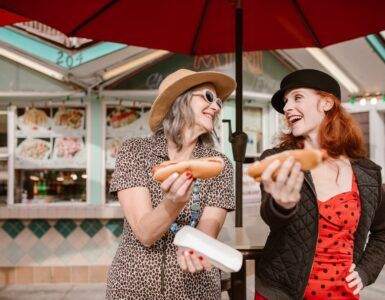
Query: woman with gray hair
point(147, 265)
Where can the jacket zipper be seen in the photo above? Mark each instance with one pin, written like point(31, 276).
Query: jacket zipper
point(310, 184)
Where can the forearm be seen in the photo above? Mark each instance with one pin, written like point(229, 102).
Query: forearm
point(153, 224)
point(373, 259)
point(212, 221)
point(273, 215)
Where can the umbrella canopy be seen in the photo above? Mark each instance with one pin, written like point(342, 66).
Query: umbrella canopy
point(7, 18)
point(207, 26)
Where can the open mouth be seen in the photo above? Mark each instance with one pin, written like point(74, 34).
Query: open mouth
point(208, 116)
point(294, 119)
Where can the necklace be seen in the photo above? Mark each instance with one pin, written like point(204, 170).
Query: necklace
point(195, 208)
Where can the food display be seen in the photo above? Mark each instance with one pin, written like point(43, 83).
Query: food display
point(113, 146)
point(33, 149)
point(69, 118)
point(51, 137)
point(68, 147)
point(121, 117)
point(123, 122)
point(34, 119)
point(50, 152)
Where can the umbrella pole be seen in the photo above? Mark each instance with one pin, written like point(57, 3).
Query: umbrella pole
point(239, 138)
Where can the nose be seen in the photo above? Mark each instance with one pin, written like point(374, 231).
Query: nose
point(288, 106)
point(215, 107)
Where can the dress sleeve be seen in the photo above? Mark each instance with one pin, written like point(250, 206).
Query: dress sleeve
point(219, 191)
point(130, 169)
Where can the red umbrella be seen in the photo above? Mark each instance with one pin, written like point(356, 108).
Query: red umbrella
point(209, 26)
point(8, 18)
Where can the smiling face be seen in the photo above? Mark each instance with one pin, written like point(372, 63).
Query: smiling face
point(304, 110)
point(206, 106)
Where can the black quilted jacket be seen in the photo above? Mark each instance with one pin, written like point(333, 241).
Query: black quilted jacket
point(285, 265)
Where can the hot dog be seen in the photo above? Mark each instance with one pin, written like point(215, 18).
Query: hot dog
point(308, 158)
point(203, 168)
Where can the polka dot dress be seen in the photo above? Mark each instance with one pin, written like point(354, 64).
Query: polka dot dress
point(338, 220)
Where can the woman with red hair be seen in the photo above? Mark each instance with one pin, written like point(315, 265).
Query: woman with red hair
point(320, 220)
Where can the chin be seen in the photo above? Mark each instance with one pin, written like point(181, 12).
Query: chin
point(298, 132)
point(206, 127)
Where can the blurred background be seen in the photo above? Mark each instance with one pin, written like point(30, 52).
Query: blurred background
point(66, 104)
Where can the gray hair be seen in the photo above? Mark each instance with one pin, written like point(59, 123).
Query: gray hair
point(180, 116)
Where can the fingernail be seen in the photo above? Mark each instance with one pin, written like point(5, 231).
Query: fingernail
point(200, 258)
point(191, 252)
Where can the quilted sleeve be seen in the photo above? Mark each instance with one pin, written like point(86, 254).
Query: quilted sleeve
point(373, 258)
point(272, 214)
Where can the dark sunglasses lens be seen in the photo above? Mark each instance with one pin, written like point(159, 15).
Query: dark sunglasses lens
point(209, 96)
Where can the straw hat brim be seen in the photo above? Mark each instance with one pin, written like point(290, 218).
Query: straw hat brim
point(224, 86)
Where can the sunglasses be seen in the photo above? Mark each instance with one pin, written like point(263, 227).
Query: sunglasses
point(210, 97)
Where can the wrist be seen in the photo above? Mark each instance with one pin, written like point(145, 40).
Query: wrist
point(284, 207)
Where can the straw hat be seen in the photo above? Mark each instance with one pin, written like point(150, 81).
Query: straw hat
point(182, 80)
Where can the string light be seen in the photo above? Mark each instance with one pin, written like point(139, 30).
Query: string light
point(373, 101)
point(364, 100)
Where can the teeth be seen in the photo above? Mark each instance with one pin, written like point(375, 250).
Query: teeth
point(294, 119)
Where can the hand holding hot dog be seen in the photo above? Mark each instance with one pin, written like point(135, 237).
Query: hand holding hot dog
point(286, 188)
point(177, 188)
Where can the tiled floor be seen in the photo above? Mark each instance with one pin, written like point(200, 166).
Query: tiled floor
point(96, 291)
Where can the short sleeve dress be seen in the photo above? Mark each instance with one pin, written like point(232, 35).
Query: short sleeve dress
point(139, 272)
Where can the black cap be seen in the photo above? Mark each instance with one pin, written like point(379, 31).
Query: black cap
point(307, 78)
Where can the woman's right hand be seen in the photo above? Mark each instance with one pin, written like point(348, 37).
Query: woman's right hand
point(285, 189)
point(177, 188)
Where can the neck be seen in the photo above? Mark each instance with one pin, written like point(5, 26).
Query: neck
point(189, 142)
point(311, 141)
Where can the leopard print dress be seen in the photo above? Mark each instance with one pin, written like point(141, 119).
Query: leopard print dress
point(139, 272)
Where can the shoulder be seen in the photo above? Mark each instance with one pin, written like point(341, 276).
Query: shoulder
point(368, 169)
point(135, 145)
point(367, 164)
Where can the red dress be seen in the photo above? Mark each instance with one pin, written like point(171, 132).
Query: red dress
point(338, 220)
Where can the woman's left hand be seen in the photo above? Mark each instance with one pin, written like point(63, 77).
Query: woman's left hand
point(191, 261)
point(354, 280)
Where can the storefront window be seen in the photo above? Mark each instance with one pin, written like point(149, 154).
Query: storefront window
point(252, 125)
point(125, 120)
point(50, 154)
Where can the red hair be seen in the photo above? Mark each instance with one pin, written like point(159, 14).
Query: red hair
point(339, 134)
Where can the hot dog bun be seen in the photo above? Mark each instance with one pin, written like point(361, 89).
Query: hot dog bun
point(203, 168)
point(308, 158)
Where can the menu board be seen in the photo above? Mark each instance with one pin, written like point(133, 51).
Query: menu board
point(50, 137)
point(124, 122)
